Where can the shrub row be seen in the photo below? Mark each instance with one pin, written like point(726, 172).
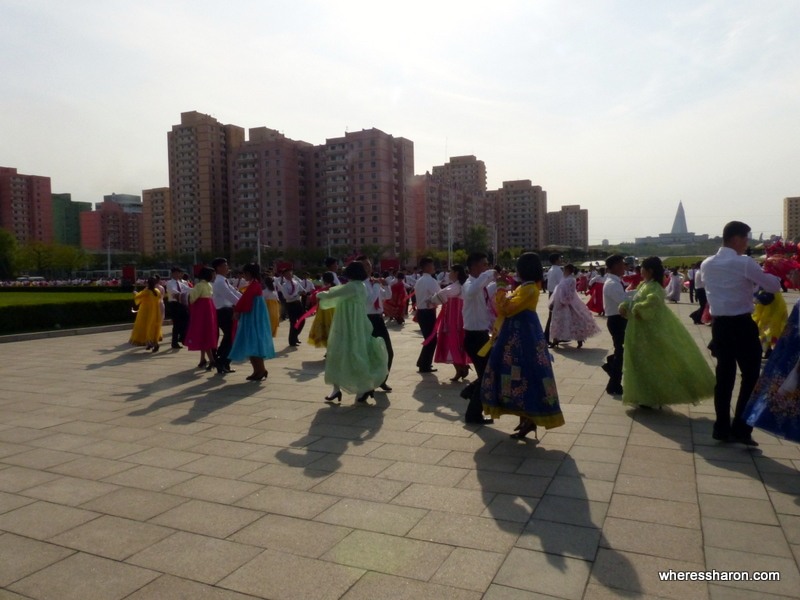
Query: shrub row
point(22, 319)
point(66, 288)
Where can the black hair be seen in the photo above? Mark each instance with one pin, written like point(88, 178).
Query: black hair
point(206, 274)
point(529, 267)
point(425, 261)
point(474, 258)
point(269, 283)
point(252, 269)
point(331, 261)
point(656, 267)
point(553, 258)
point(327, 277)
point(362, 257)
point(356, 271)
point(734, 229)
point(461, 273)
point(614, 260)
point(151, 285)
point(217, 262)
point(569, 267)
point(400, 276)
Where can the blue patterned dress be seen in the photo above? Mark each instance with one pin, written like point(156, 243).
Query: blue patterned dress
point(253, 335)
point(774, 405)
point(519, 375)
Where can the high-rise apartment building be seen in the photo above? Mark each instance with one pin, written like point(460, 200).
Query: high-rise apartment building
point(66, 219)
point(157, 221)
point(26, 206)
point(361, 193)
point(111, 226)
point(198, 151)
point(269, 177)
point(791, 218)
point(521, 209)
point(464, 172)
point(568, 227)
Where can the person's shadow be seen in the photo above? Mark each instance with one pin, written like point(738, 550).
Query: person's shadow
point(334, 429)
point(559, 519)
point(439, 398)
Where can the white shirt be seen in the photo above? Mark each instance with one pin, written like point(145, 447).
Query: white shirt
point(308, 285)
point(614, 294)
point(291, 289)
point(699, 284)
point(335, 278)
point(730, 280)
point(425, 287)
point(476, 311)
point(225, 295)
point(269, 294)
point(177, 291)
point(451, 291)
point(376, 294)
point(554, 277)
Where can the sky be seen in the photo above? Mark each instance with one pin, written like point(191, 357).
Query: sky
point(624, 107)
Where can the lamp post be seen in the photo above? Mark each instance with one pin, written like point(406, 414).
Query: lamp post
point(450, 242)
point(258, 244)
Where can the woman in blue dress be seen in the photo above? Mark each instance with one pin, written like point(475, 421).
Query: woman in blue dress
point(253, 338)
point(774, 405)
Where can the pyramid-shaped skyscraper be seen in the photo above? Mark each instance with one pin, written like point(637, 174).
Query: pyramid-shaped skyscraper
point(679, 224)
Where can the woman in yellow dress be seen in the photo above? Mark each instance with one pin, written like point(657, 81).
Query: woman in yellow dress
point(323, 318)
point(147, 327)
point(273, 304)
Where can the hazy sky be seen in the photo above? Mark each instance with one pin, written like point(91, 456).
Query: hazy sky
point(622, 107)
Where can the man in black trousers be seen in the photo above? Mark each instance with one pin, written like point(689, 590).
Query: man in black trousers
point(613, 295)
point(424, 289)
point(377, 292)
point(225, 298)
point(730, 277)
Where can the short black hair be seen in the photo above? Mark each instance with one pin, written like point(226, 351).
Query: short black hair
point(529, 267)
point(614, 260)
point(461, 273)
point(252, 269)
point(206, 274)
point(218, 261)
point(331, 261)
point(734, 229)
point(327, 277)
point(569, 268)
point(656, 267)
point(425, 261)
point(362, 257)
point(554, 257)
point(474, 258)
point(356, 271)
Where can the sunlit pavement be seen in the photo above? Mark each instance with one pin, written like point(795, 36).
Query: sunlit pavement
point(125, 474)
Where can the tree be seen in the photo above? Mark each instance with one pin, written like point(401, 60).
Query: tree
point(8, 251)
point(476, 239)
point(36, 257)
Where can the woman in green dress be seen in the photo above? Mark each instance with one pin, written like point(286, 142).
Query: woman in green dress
point(356, 362)
point(662, 363)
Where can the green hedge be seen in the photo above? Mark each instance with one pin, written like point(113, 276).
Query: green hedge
point(93, 289)
point(21, 319)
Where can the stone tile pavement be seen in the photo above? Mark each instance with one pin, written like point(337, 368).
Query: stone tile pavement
point(130, 475)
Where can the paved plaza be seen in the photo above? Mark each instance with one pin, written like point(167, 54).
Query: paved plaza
point(125, 474)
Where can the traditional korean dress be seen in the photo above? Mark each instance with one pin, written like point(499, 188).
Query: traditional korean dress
point(774, 405)
point(202, 332)
point(396, 307)
point(571, 317)
point(273, 309)
point(450, 328)
point(356, 362)
point(147, 326)
point(662, 363)
point(519, 375)
point(321, 325)
point(253, 329)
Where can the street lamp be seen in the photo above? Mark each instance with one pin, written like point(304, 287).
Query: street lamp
point(258, 244)
point(450, 242)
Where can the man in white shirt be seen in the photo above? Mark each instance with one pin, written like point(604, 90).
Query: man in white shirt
point(690, 277)
point(225, 297)
point(292, 289)
point(700, 293)
point(177, 306)
point(730, 279)
point(424, 289)
point(554, 276)
point(377, 292)
point(332, 265)
point(478, 320)
point(614, 294)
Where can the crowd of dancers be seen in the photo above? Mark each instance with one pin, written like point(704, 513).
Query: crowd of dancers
point(484, 320)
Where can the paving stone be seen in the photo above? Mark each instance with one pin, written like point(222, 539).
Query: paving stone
point(724, 468)
point(651, 510)
point(481, 460)
point(791, 528)
point(292, 577)
point(372, 516)
point(214, 489)
point(429, 474)
point(197, 557)
point(43, 520)
point(225, 448)
point(16, 479)
point(294, 536)
point(149, 478)
point(110, 449)
point(501, 592)
point(467, 531)
point(357, 486)
point(509, 507)
point(737, 509)
point(285, 501)
point(651, 487)
point(355, 465)
point(207, 518)
point(471, 502)
point(112, 537)
point(20, 556)
point(84, 577)
point(586, 468)
point(733, 560)
point(647, 468)
point(285, 476)
point(90, 467)
point(505, 483)
point(561, 539)
point(168, 587)
point(69, 490)
point(389, 554)
point(653, 539)
point(340, 446)
point(39, 458)
point(731, 486)
point(469, 569)
point(163, 457)
point(132, 503)
point(747, 537)
point(572, 511)
point(721, 592)
point(580, 487)
point(785, 504)
point(551, 574)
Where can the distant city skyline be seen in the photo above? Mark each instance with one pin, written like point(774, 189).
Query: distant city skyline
point(625, 108)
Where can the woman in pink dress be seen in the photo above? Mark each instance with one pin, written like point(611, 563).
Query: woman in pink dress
point(396, 307)
point(450, 325)
point(202, 333)
point(571, 318)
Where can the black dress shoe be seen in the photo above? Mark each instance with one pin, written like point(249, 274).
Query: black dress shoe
point(614, 391)
point(479, 421)
point(385, 388)
point(177, 346)
point(721, 437)
point(428, 370)
point(745, 439)
point(607, 368)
